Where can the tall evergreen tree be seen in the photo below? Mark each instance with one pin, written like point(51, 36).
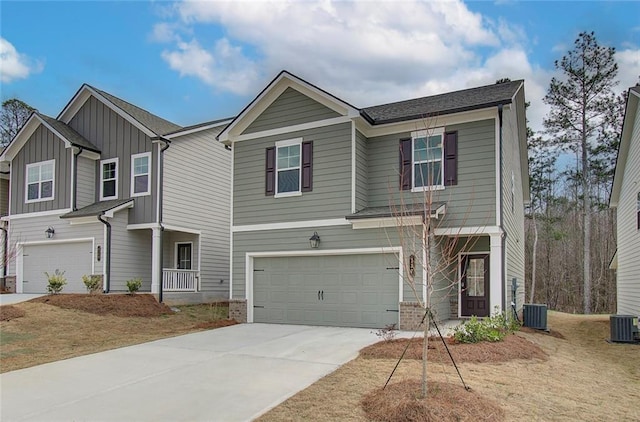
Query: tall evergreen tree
point(579, 103)
point(14, 114)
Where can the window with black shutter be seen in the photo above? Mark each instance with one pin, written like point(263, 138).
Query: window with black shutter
point(428, 160)
point(289, 168)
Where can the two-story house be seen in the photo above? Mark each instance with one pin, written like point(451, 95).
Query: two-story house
point(109, 189)
point(350, 216)
point(625, 198)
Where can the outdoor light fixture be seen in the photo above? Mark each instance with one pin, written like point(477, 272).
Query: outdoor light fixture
point(314, 240)
point(49, 232)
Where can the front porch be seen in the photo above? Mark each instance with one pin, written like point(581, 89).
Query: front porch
point(180, 261)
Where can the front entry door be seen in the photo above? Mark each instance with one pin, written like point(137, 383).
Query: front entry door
point(474, 294)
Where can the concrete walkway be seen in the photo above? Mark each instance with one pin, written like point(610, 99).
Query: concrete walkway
point(11, 298)
point(228, 374)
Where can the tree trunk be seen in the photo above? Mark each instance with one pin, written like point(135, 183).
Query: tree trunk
point(586, 219)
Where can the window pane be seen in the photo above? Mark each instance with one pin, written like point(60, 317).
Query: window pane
point(288, 156)
point(46, 171)
point(46, 189)
point(435, 141)
point(475, 277)
point(428, 174)
point(109, 171)
point(141, 165)
point(140, 183)
point(32, 191)
point(33, 174)
point(289, 181)
point(109, 188)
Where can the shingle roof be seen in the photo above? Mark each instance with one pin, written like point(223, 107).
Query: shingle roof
point(156, 124)
point(69, 134)
point(198, 125)
point(96, 208)
point(435, 105)
point(397, 211)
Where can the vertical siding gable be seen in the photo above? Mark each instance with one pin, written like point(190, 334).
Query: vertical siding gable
point(290, 108)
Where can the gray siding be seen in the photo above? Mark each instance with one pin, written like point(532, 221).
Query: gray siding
point(290, 108)
point(361, 171)
point(43, 145)
point(628, 273)
point(4, 197)
point(130, 254)
point(197, 189)
point(472, 202)
point(86, 184)
point(331, 195)
point(115, 137)
point(170, 239)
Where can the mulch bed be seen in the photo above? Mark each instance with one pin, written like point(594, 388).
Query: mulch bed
point(137, 305)
point(8, 312)
point(512, 347)
point(444, 402)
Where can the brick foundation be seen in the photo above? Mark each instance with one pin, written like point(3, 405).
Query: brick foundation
point(238, 310)
point(411, 314)
point(10, 283)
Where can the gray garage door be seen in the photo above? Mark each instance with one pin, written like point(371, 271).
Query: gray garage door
point(72, 258)
point(345, 291)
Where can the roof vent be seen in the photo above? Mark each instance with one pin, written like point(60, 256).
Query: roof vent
point(535, 316)
point(624, 328)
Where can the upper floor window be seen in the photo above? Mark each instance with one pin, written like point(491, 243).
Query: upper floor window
point(109, 179)
point(428, 153)
point(141, 174)
point(40, 181)
point(289, 168)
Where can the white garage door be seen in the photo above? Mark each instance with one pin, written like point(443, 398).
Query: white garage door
point(346, 291)
point(72, 258)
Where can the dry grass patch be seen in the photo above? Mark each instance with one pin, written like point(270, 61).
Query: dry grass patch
point(8, 312)
point(48, 332)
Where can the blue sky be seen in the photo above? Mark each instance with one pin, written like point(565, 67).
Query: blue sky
point(191, 62)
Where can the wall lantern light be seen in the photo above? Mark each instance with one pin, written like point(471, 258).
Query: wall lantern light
point(49, 232)
point(314, 240)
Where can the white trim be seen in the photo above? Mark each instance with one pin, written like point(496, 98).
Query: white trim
point(438, 131)
point(143, 226)
point(498, 169)
point(378, 223)
point(72, 178)
point(112, 211)
point(39, 164)
point(83, 220)
point(174, 228)
point(496, 272)
point(290, 225)
point(284, 144)
point(353, 167)
point(468, 231)
point(459, 278)
point(158, 187)
point(295, 128)
point(249, 257)
point(148, 173)
point(175, 254)
point(102, 163)
point(233, 158)
point(197, 129)
point(36, 214)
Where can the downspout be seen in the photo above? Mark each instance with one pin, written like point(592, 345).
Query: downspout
point(167, 143)
point(107, 270)
point(75, 178)
point(4, 256)
point(501, 222)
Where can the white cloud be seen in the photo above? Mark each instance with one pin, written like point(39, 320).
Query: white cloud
point(14, 65)
point(629, 67)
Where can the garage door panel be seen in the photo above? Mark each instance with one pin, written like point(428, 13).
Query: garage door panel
point(74, 258)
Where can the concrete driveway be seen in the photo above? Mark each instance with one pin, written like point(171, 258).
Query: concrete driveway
point(228, 374)
point(11, 298)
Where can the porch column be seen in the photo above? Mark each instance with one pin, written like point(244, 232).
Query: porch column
point(156, 255)
point(495, 273)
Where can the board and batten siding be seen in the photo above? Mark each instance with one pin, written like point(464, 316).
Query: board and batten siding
point(4, 197)
point(331, 194)
point(196, 195)
point(628, 272)
point(290, 108)
point(116, 137)
point(32, 230)
point(86, 185)
point(512, 207)
point(361, 171)
point(43, 145)
point(472, 202)
point(130, 254)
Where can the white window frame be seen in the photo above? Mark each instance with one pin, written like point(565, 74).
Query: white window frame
point(102, 180)
point(39, 182)
point(426, 134)
point(177, 258)
point(288, 143)
point(133, 175)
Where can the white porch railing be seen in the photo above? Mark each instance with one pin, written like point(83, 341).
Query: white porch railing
point(179, 280)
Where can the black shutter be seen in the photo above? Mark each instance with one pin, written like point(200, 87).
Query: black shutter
point(270, 165)
point(405, 164)
point(450, 158)
point(307, 166)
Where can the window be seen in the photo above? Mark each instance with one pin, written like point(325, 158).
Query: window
point(429, 160)
point(109, 179)
point(183, 256)
point(289, 168)
point(40, 181)
point(141, 174)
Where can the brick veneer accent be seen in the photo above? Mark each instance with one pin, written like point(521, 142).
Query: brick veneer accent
point(238, 310)
point(10, 283)
point(411, 314)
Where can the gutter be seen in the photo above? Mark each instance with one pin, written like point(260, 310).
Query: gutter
point(74, 206)
point(107, 271)
point(501, 222)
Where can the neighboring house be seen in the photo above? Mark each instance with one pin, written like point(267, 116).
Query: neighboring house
point(307, 165)
point(109, 189)
point(625, 197)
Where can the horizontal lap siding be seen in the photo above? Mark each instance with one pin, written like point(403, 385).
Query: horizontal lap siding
point(130, 254)
point(116, 137)
point(43, 145)
point(331, 195)
point(361, 171)
point(290, 108)
point(628, 273)
point(472, 202)
point(197, 174)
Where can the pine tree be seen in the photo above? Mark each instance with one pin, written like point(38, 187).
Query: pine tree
point(14, 114)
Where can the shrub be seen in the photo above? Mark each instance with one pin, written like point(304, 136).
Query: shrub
point(56, 281)
point(91, 282)
point(493, 328)
point(134, 285)
point(387, 333)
